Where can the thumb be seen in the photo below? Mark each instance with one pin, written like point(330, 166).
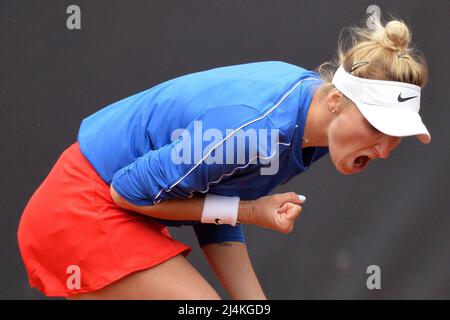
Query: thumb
point(293, 197)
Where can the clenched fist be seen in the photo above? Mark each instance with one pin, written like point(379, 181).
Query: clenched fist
point(277, 212)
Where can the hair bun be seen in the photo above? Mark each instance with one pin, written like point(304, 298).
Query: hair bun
point(396, 35)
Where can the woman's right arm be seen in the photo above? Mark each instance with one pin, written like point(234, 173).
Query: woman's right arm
point(177, 209)
point(277, 212)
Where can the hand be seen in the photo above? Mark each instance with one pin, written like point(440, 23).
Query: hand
point(277, 212)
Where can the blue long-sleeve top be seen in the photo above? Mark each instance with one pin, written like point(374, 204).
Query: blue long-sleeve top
point(146, 144)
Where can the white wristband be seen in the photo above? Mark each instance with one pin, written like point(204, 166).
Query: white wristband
point(220, 209)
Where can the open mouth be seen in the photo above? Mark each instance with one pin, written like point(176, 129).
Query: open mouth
point(361, 162)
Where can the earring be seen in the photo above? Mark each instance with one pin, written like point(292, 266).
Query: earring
point(333, 111)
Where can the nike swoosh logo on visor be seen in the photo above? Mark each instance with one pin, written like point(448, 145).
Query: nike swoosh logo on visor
point(400, 99)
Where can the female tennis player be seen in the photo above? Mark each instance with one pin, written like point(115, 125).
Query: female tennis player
point(206, 149)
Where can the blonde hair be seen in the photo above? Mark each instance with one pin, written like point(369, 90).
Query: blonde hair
point(384, 53)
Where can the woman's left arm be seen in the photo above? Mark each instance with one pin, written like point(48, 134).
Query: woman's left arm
point(231, 263)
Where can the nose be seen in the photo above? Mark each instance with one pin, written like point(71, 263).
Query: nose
point(383, 150)
point(385, 147)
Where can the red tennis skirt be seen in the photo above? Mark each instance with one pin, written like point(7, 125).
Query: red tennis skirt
point(74, 239)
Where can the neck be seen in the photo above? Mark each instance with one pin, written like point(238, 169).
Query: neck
point(317, 123)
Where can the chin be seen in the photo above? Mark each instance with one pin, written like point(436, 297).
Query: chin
point(344, 170)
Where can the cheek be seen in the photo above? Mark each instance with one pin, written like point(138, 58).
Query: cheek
point(341, 137)
point(345, 138)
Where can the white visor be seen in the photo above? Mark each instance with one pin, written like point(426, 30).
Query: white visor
point(392, 107)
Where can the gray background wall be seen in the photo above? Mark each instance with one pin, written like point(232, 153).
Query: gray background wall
point(395, 215)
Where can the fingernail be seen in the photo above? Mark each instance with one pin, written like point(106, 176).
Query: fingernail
point(301, 198)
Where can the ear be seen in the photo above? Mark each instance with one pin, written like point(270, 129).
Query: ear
point(335, 101)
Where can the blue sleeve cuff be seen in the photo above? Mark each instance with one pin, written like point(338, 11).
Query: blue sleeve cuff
point(208, 233)
point(121, 181)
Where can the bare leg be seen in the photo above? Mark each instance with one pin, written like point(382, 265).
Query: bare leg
point(173, 279)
